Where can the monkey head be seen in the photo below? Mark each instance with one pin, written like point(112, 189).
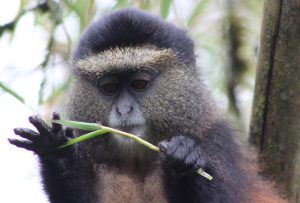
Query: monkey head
point(138, 74)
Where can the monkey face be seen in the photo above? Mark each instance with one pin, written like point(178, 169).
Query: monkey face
point(110, 87)
point(143, 90)
point(124, 91)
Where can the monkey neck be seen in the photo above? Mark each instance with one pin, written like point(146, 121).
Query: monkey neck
point(129, 158)
point(140, 166)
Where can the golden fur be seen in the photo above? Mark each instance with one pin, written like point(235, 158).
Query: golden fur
point(118, 187)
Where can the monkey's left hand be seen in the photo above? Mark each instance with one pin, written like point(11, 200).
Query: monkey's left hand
point(182, 155)
point(46, 140)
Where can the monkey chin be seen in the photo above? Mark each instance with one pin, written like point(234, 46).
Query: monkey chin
point(135, 125)
point(127, 148)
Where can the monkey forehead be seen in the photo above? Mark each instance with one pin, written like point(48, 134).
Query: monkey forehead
point(125, 59)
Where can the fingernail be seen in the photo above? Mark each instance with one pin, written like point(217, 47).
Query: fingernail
point(16, 130)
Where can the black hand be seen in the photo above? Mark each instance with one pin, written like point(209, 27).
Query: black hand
point(46, 140)
point(182, 155)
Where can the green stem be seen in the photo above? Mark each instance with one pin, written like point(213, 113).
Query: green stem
point(100, 129)
point(84, 137)
point(134, 137)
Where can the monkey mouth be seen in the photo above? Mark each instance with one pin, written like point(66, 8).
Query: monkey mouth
point(128, 128)
point(136, 129)
point(126, 125)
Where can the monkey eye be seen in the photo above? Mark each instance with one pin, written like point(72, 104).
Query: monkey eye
point(109, 85)
point(140, 81)
point(139, 84)
point(110, 88)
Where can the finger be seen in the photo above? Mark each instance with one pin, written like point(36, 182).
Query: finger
point(40, 124)
point(26, 133)
point(167, 148)
point(163, 146)
point(69, 132)
point(55, 126)
point(22, 144)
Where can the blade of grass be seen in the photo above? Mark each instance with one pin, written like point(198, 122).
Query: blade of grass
point(201, 172)
point(100, 129)
point(78, 125)
point(120, 4)
point(165, 8)
point(11, 92)
point(84, 137)
point(196, 12)
point(131, 136)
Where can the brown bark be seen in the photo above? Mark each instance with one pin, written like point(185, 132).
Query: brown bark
point(275, 125)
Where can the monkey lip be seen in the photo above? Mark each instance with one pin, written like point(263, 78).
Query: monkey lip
point(127, 128)
point(136, 129)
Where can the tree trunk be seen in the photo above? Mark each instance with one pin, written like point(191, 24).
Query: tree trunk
point(275, 124)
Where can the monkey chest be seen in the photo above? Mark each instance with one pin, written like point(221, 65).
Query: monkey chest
point(123, 188)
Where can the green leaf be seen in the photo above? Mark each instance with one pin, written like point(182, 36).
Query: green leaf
point(120, 4)
point(82, 9)
point(11, 92)
point(84, 137)
point(165, 8)
point(146, 5)
point(79, 125)
point(197, 11)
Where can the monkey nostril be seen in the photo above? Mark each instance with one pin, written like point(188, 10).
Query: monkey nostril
point(118, 111)
point(124, 110)
point(131, 109)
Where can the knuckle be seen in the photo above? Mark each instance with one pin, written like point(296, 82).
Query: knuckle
point(163, 146)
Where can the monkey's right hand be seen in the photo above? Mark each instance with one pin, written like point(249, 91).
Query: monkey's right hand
point(182, 156)
point(45, 142)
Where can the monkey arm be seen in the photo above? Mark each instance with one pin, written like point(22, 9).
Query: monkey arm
point(66, 176)
point(75, 183)
point(217, 154)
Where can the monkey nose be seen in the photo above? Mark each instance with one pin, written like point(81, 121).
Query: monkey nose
point(124, 110)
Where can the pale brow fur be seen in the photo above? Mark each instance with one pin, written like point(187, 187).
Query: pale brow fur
point(118, 59)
